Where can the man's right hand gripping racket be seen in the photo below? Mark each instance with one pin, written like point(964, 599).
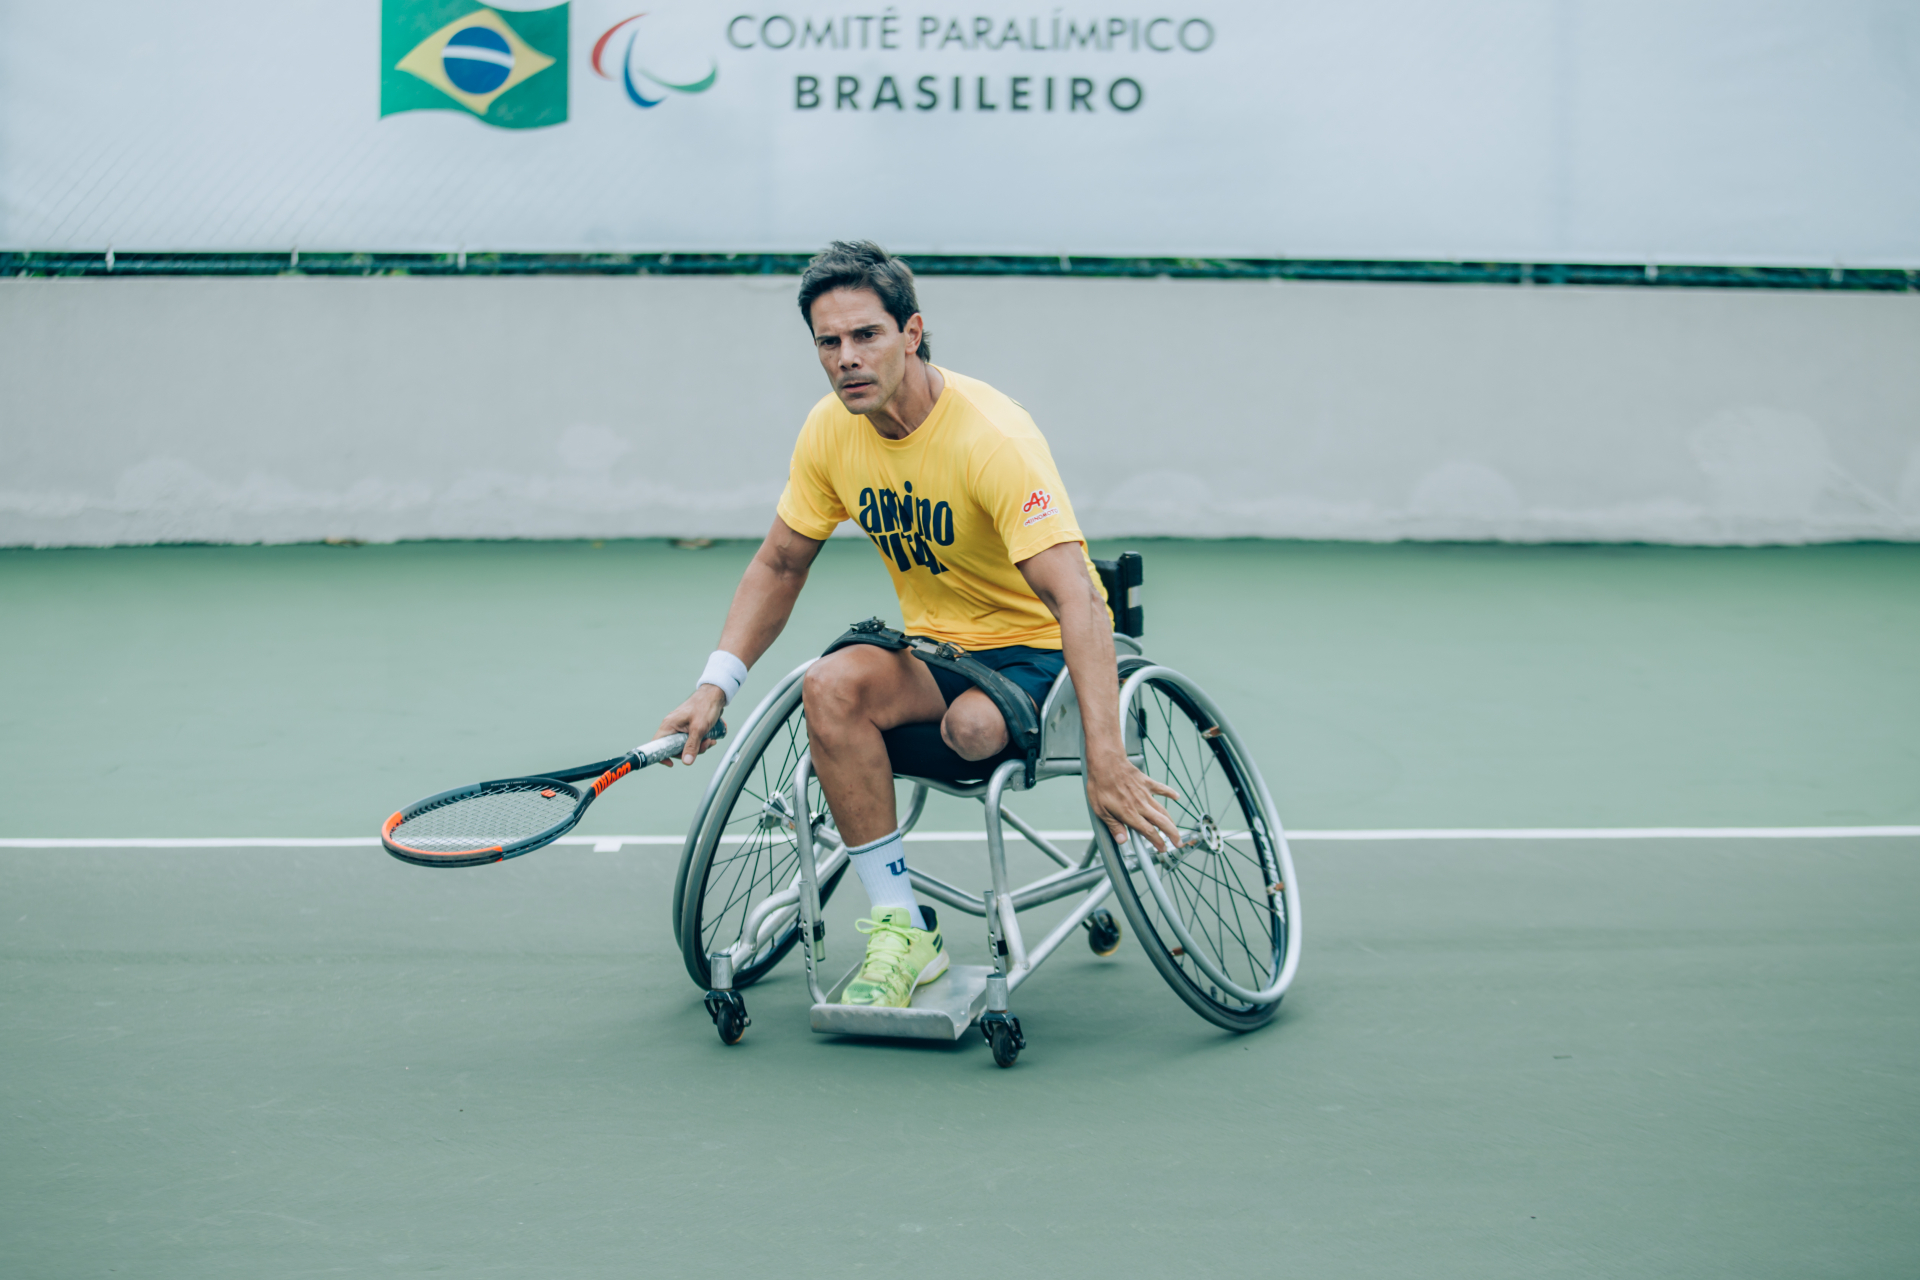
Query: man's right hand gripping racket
point(488, 821)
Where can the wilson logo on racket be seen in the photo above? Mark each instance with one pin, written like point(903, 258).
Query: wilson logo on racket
point(612, 776)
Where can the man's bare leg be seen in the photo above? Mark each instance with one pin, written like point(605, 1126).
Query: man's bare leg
point(973, 726)
point(851, 696)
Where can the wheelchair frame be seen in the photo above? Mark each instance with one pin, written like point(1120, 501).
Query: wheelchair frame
point(969, 995)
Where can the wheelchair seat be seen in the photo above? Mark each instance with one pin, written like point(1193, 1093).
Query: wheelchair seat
point(918, 751)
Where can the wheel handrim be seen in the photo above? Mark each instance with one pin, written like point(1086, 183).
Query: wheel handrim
point(1218, 905)
point(753, 851)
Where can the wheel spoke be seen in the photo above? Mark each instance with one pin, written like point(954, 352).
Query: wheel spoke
point(1215, 934)
point(1253, 961)
point(750, 859)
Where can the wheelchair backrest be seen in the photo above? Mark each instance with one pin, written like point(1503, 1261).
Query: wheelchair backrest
point(1122, 578)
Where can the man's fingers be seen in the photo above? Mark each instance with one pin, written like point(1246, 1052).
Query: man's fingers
point(1149, 830)
point(1127, 807)
point(696, 718)
point(1118, 823)
point(666, 727)
point(699, 735)
point(679, 722)
point(1153, 822)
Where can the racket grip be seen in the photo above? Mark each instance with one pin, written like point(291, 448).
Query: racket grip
point(660, 748)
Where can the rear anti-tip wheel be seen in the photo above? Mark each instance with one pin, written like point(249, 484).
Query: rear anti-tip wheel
point(1002, 1032)
point(729, 1013)
point(1103, 932)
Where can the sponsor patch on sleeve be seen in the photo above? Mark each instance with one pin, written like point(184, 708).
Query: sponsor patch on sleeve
point(1038, 506)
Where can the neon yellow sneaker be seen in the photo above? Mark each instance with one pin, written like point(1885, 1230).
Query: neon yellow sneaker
point(899, 958)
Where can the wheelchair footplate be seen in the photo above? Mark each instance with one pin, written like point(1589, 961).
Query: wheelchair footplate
point(942, 1010)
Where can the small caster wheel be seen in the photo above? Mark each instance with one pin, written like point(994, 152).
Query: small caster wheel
point(1002, 1032)
point(1103, 933)
point(729, 1014)
point(1005, 1050)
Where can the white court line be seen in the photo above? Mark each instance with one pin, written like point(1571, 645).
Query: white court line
point(613, 844)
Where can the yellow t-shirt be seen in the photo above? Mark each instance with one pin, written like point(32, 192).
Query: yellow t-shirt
point(952, 508)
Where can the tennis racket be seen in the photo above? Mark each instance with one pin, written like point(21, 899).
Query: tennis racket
point(489, 821)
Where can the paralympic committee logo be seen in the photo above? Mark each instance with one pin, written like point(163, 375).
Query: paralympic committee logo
point(649, 82)
point(508, 69)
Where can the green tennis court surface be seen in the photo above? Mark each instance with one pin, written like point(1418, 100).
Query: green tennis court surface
point(1656, 1057)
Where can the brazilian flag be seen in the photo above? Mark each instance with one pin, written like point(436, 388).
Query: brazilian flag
point(509, 68)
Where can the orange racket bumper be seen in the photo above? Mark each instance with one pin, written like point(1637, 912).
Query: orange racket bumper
point(461, 857)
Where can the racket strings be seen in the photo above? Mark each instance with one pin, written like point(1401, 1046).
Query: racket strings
point(499, 814)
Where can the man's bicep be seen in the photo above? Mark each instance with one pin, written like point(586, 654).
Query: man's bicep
point(787, 550)
point(1057, 574)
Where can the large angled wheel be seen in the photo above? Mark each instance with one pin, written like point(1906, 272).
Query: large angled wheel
point(745, 851)
point(1219, 916)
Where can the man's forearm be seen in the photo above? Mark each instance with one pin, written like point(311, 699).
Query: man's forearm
point(763, 601)
point(761, 606)
point(1119, 795)
point(1088, 646)
point(1086, 640)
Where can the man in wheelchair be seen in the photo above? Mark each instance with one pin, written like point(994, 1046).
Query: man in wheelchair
point(956, 488)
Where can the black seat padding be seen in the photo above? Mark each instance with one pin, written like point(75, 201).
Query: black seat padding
point(918, 751)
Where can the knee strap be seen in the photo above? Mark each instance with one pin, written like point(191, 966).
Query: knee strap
point(1016, 708)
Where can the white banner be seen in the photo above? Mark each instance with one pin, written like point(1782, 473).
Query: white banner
point(1633, 131)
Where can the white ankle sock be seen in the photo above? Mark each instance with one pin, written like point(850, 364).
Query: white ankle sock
point(882, 866)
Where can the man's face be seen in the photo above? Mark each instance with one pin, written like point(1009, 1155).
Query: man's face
point(863, 351)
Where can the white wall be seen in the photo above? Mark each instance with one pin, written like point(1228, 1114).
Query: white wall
point(286, 409)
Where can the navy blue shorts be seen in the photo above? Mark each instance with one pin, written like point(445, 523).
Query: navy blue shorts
point(1034, 670)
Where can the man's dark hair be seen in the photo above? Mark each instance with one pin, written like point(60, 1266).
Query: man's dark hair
point(862, 264)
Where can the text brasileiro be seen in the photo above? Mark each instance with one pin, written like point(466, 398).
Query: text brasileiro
point(931, 33)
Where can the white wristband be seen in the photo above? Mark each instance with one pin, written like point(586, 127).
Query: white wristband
point(725, 673)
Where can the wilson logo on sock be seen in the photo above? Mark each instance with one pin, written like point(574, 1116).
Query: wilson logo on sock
point(898, 868)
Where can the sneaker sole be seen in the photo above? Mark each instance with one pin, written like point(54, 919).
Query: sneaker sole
point(935, 967)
